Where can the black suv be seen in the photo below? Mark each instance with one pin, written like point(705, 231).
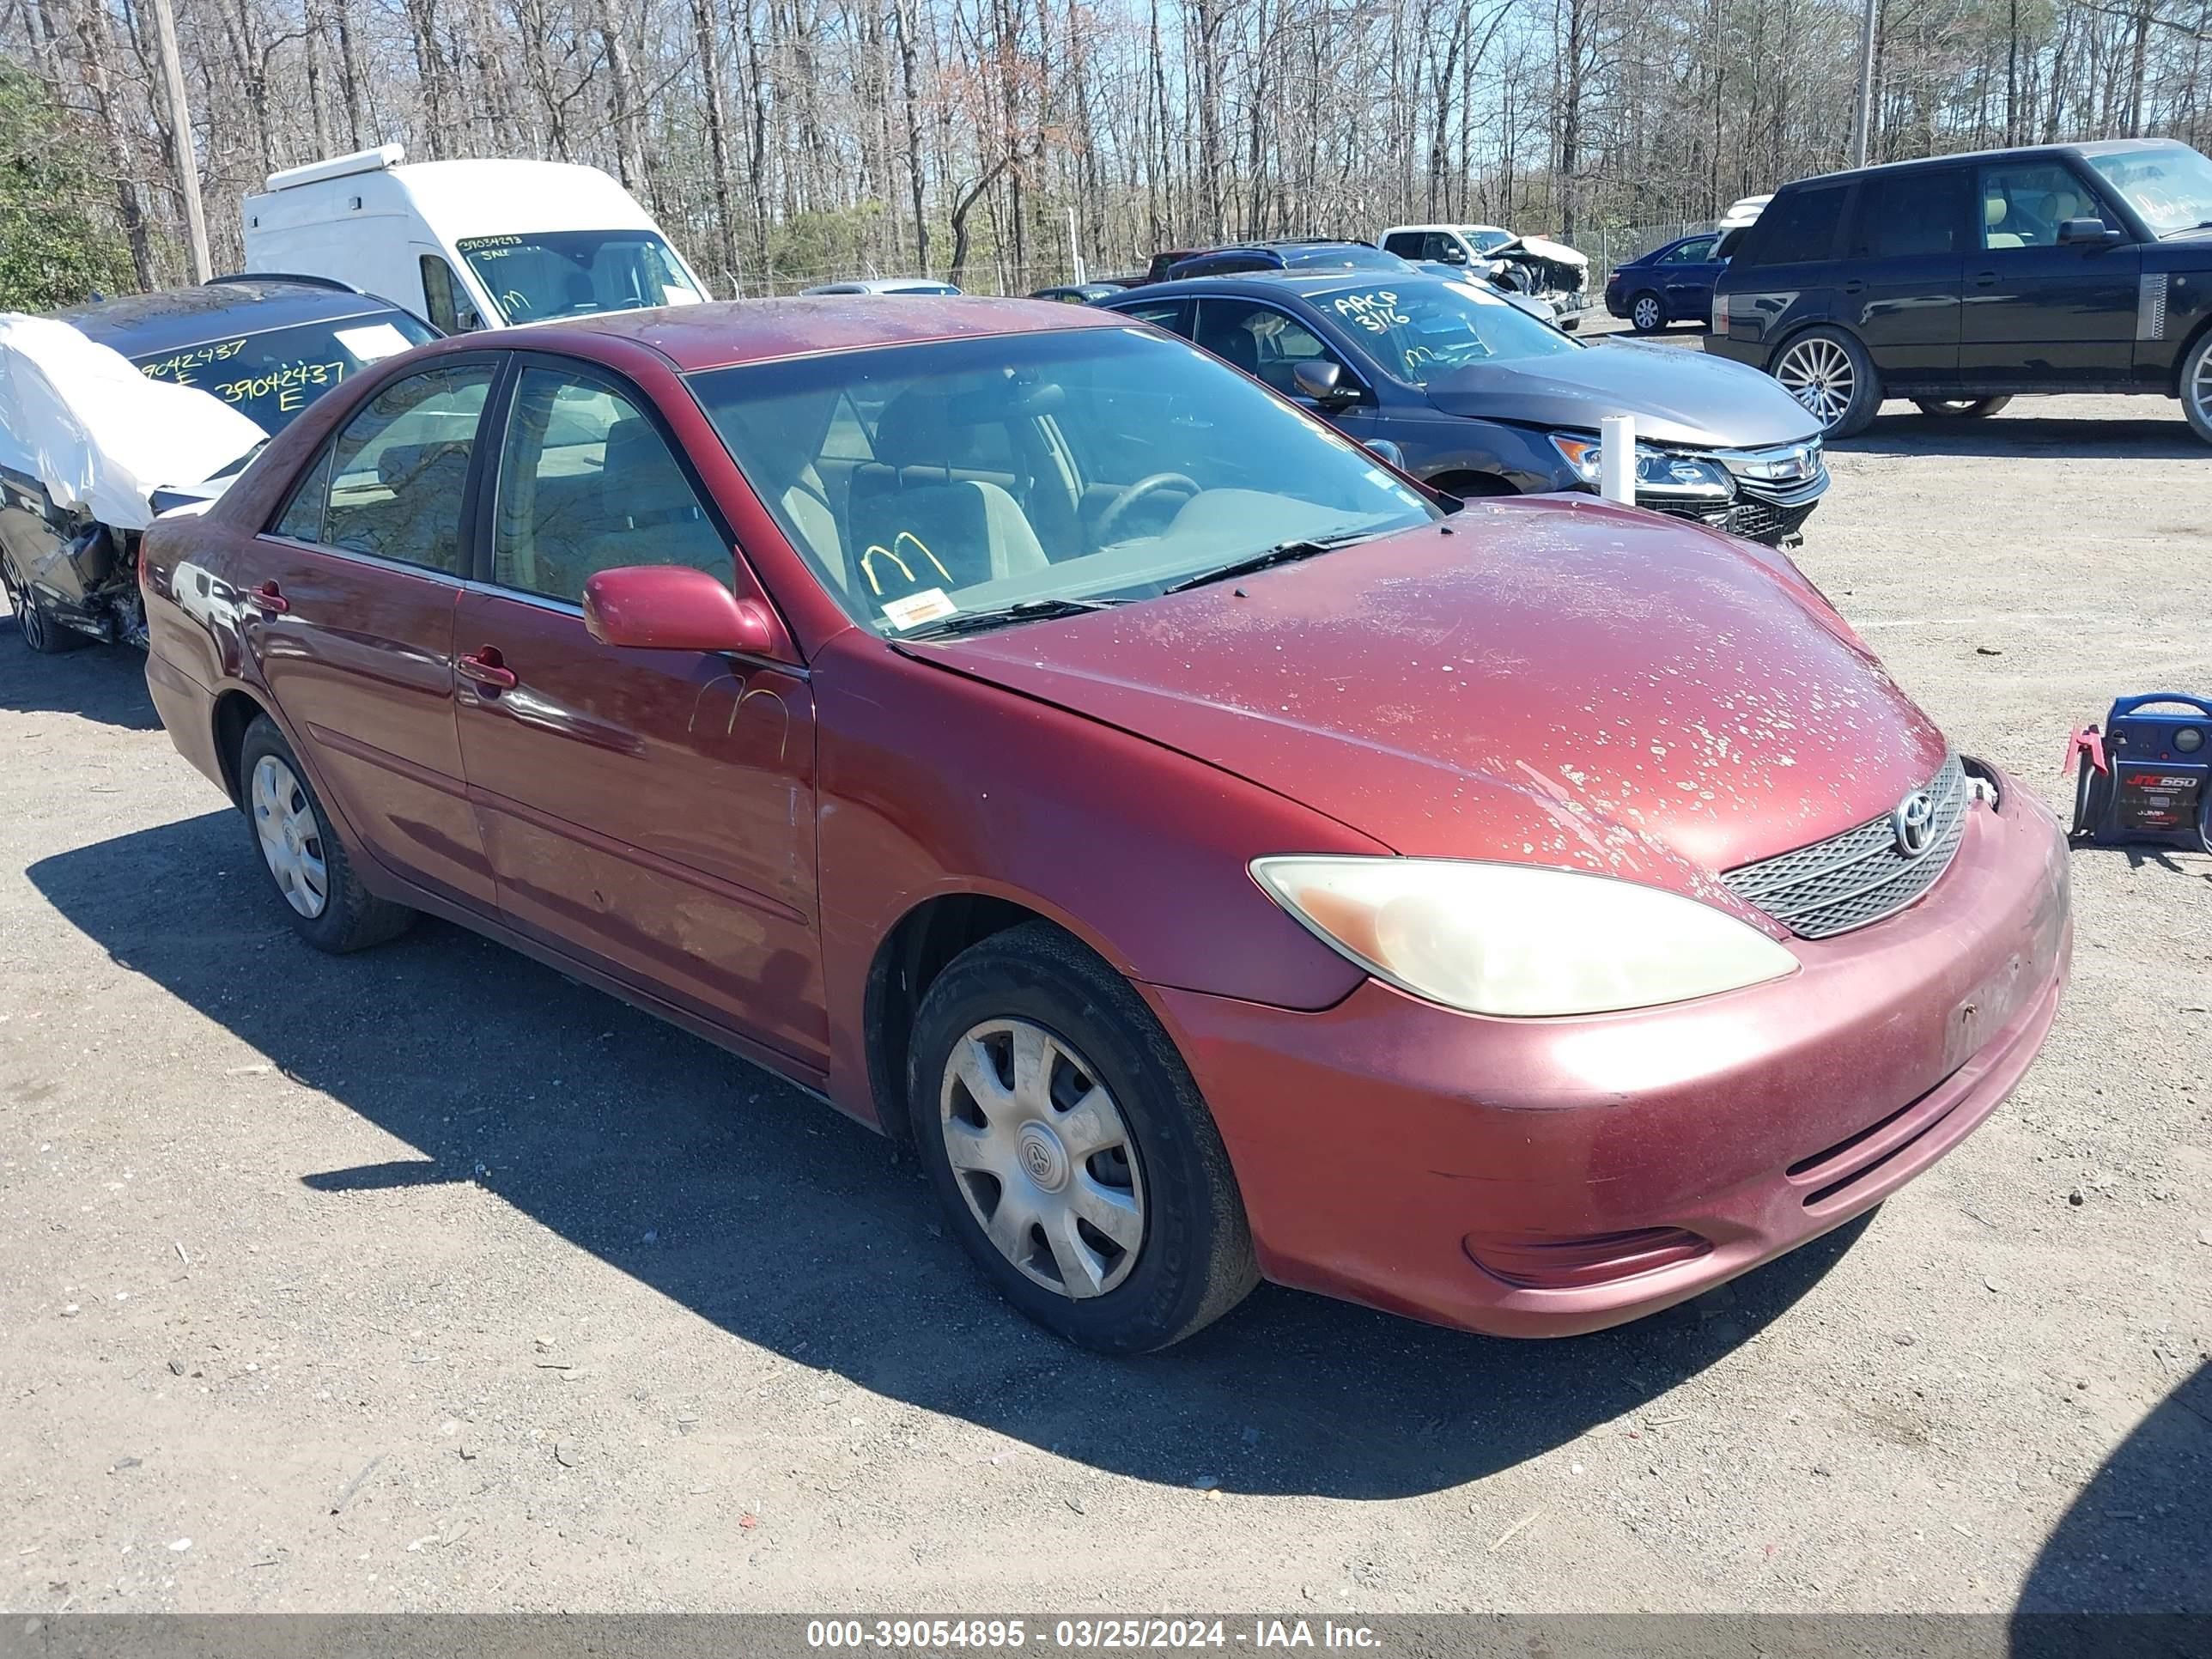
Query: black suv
point(1961, 280)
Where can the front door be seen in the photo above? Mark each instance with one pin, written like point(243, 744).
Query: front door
point(1685, 278)
point(1907, 255)
point(1270, 344)
point(2041, 312)
point(650, 811)
point(355, 643)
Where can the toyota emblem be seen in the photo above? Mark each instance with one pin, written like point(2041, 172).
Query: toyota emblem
point(1913, 823)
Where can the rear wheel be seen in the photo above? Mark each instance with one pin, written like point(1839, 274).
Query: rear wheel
point(1960, 409)
point(326, 903)
point(1829, 372)
point(1070, 1149)
point(1647, 314)
point(32, 620)
point(2196, 386)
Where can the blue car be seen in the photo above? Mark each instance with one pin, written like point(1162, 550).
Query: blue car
point(1673, 283)
point(1459, 387)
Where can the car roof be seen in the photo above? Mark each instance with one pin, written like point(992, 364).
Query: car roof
point(1273, 284)
point(2089, 150)
point(721, 333)
point(138, 325)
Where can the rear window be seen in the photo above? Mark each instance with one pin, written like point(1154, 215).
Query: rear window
point(272, 375)
point(1796, 225)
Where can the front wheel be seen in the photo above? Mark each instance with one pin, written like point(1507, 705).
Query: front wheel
point(2197, 387)
point(1646, 315)
point(1959, 408)
point(32, 620)
point(1830, 374)
point(1070, 1149)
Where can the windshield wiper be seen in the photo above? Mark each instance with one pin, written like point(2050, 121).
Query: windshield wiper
point(1021, 611)
point(1267, 558)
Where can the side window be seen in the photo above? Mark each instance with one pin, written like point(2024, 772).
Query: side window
point(1690, 254)
point(2024, 203)
point(1161, 313)
point(1407, 244)
point(586, 484)
point(446, 303)
point(1260, 340)
point(303, 520)
point(1904, 213)
point(1442, 245)
point(1797, 225)
point(398, 469)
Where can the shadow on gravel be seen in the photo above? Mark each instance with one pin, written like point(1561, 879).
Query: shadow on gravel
point(2168, 859)
point(2139, 1538)
point(1905, 431)
point(100, 682)
point(753, 1206)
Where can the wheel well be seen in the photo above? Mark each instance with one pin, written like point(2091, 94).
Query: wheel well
point(1799, 331)
point(911, 957)
point(234, 712)
point(2181, 357)
point(1466, 485)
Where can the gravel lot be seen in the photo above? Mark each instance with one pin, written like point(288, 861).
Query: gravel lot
point(426, 1279)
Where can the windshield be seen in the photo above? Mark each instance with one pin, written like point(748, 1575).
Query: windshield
point(1422, 329)
point(925, 481)
point(271, 376)
point(2170, 187)
point(577, 273)
point(1484, 240)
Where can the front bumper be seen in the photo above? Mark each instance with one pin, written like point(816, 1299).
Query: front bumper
point(1386, 1146)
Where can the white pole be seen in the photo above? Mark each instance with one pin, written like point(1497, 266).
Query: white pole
point(1616, 467)
point(180, 138)
point(1074, 249)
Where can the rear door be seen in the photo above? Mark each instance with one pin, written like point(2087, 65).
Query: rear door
point(354, 636)
point(2040, 312)
point(1908, 254)
point(650, 811)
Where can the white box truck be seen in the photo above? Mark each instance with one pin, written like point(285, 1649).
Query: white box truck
point(468, 244)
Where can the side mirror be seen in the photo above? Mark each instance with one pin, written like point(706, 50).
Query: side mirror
point(1323, 382)
point(1386, 450)
point(674, 607)
point(2090, 231)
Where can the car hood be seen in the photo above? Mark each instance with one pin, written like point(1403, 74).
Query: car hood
point(1545, 680)
point(1677, 397)
point(1541, 247)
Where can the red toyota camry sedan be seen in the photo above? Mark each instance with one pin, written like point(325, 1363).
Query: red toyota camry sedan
point(1219, 857)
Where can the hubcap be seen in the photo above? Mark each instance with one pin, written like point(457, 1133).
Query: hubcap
point(2200, 386)
point(1647, 314)
point(1043, 1157)
point(1817, 374)
point(291, 839)
point(27, 618)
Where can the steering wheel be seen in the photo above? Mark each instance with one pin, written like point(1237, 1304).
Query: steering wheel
point(1137, 492)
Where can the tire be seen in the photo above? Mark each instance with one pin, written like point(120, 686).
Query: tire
point(1829, 372)
point(1959, 408)
point(33, 621)
point(1113, 1130)
point(1647, 312)
point(309, 867)
point(2195, 385)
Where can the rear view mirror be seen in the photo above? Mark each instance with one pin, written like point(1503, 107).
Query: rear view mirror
point(2086, 230)
point(674, 607)
point(1323, 382)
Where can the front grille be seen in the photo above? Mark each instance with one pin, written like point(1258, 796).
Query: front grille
point(1747, 516)
point(1860, 876)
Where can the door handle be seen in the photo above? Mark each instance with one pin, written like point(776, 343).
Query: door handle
point(1855, 286)
point(1986, 279)
point(488, 669)
point(268, 598)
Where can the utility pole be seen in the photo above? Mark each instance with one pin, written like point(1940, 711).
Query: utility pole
point(1863, 127)
point(180, 138)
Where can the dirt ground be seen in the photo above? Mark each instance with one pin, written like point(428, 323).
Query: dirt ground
point(426, 1279)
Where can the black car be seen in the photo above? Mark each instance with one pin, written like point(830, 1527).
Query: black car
point(1475, 397)
point(1080, 294)
point(1962, 281)
point(268, 346)
point(1297, 253)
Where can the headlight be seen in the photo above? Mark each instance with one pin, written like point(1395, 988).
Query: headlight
point(1658, 471)
point(1512, 939)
